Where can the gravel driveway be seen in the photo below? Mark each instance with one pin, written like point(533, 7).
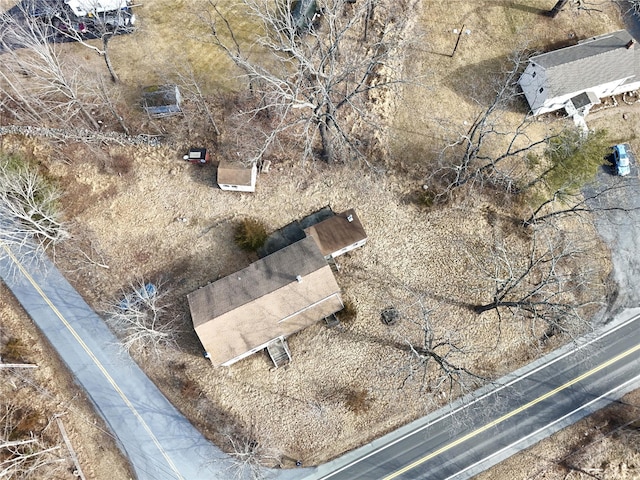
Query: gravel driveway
point(620, 229)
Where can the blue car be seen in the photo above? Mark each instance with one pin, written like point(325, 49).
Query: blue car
point(621, 160)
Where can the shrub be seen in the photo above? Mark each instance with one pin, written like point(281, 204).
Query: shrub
point(426, 198)
point(357, 400)
point(14, 351)
point(390, 315)
point(348, 313)
point(250, 234)
point(575, 159)
point(25, 423)
point(121, 164)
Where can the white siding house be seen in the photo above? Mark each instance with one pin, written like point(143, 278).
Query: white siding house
point(600, 67)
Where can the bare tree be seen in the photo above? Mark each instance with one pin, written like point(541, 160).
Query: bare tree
point(320, 72)
point(566, 201)
point(249, 458)
point(24, 452)
point(98, 24)
point(144, 319)
point(551, 283)
point(37, 86)
point(437, 356)
point(30, 215)
point(191, 89)
point(553, 13)
point(634, 6)
point(492, 150)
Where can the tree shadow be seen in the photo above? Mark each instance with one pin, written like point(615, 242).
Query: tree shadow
point(527, 9)
point(480, 82)
point(206, 174)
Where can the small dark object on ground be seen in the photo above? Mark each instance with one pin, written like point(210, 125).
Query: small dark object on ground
point(390, 316)
point(197, 155)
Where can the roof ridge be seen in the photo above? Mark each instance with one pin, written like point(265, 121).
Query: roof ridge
point(565, 51)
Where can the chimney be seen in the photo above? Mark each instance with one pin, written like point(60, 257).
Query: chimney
point(630, 44)
point(350, 218)
point(299, 278)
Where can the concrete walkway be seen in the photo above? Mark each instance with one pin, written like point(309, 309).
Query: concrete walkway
point(159, 441)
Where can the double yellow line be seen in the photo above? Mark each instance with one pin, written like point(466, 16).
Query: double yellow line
point(512, 413)
point(95, 360)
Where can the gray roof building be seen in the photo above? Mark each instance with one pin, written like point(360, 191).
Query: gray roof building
point(605, 65)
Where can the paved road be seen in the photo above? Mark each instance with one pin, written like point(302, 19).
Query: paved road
point(160, 443)
point(475, 433)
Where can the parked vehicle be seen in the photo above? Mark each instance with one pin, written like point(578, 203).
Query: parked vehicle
point(621, 160)
point(144, 294)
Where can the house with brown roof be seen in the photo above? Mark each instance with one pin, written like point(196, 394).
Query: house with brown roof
point(236, 177)
point(577, 77)
point(261, 305)
point(338, 234)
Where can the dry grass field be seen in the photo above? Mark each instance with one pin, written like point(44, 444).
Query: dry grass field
point(40, 394)
point(145, 214)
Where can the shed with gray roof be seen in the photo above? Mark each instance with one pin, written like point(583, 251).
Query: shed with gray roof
point(600, 66)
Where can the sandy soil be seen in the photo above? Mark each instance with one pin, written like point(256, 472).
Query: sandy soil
point(164, 219)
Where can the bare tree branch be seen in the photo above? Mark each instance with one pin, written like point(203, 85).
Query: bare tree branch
point(30, 214)
point(144, 319)
point(316, 82)
point(544, 284)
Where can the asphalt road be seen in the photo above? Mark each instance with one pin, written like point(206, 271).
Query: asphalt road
point(471, 435)
point(159, 441)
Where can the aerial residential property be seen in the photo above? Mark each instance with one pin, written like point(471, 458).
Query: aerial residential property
point(577, 77)
point(319, 239)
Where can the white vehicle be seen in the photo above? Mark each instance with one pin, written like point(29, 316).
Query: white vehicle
point(86, 8)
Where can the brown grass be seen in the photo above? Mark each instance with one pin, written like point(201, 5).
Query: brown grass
point(32, 398)
point(358, 400)
point(131, 226)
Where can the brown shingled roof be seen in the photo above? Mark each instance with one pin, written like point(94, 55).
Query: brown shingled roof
point(233, 174)
point(337, 232)
point(264, 301)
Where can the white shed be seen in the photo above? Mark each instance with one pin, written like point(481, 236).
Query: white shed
point(236, 177)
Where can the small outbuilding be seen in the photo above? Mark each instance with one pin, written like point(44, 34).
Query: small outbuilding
point(261, 305)
point(161, 100)
point(335, 234)
point(236, 177)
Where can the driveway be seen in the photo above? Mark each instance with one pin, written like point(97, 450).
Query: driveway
point(617, 217)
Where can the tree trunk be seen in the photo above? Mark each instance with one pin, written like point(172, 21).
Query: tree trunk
point(327, 143)
point(493, 305)
point(107, 59)
point(556, 9)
